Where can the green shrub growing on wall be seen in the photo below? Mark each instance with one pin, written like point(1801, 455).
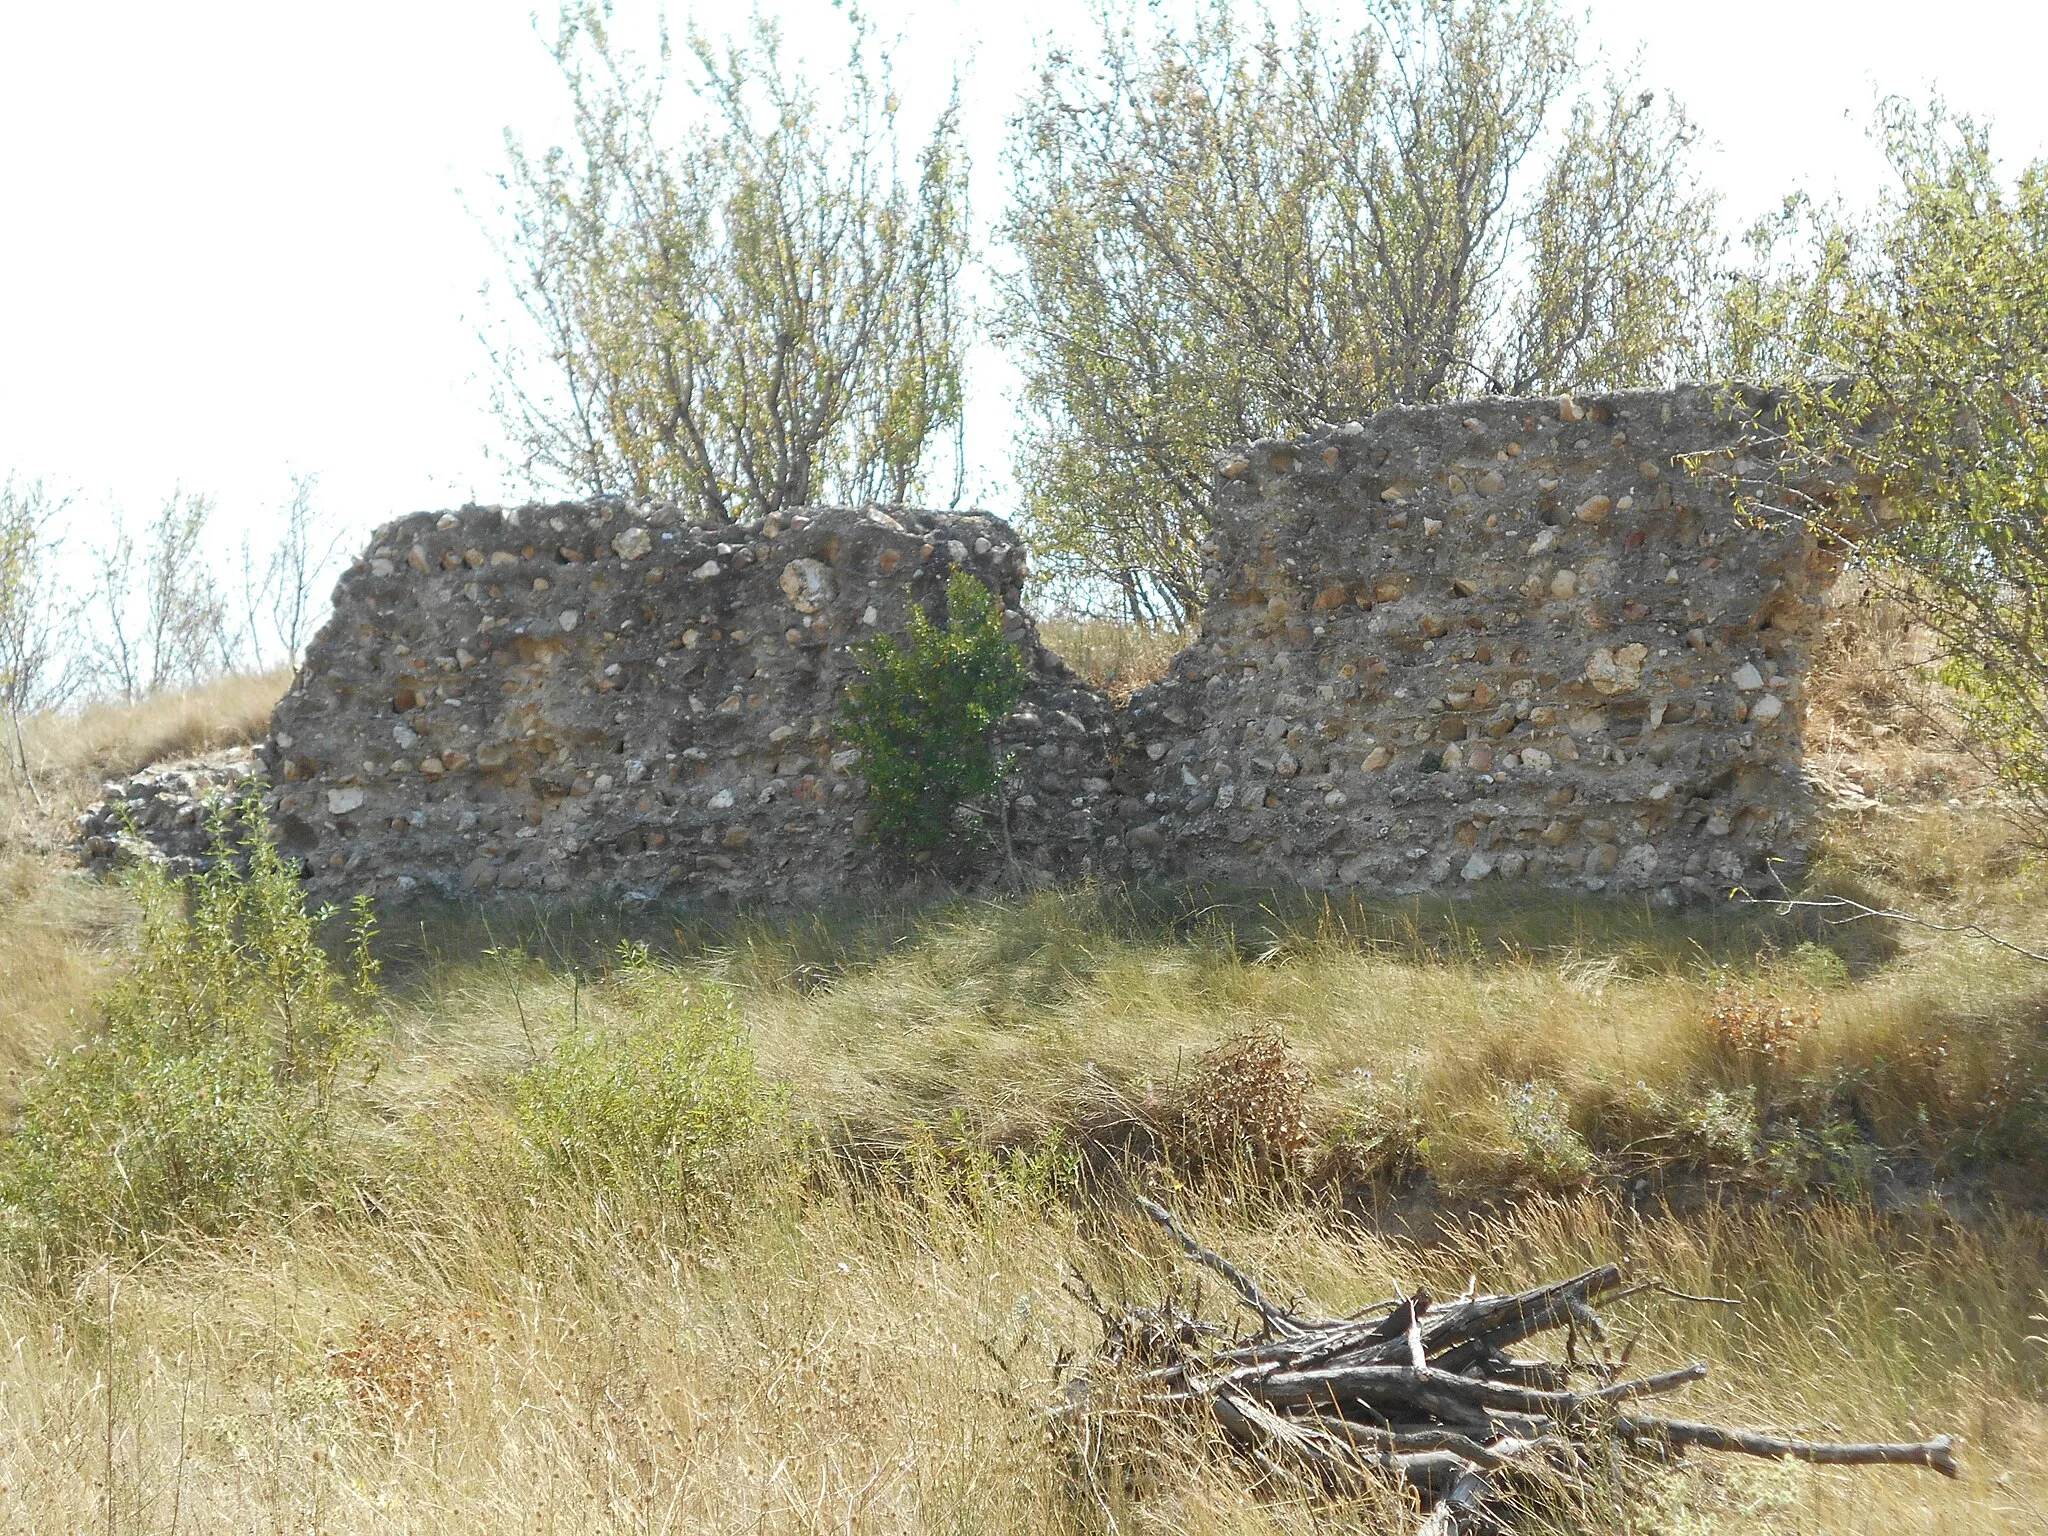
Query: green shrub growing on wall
point(210, 1092)
point(924, 715)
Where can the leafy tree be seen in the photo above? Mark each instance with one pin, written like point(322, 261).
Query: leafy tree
point(1779, 319)
point(1935, 319)
point(757, 310)
point(1221, 233)
point(924, 714)
point(1620, 254)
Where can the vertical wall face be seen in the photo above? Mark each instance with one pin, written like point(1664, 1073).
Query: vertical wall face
point(1500, 641)
point(1505, 641)
point(599, 699)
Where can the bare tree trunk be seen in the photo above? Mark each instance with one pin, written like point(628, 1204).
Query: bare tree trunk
point(21, 760)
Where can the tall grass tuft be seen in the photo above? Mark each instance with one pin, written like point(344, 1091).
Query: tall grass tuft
point(660, 1099)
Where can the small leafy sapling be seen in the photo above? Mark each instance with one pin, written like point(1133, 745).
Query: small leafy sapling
point(924, 715)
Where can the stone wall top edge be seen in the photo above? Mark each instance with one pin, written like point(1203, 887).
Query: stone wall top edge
point(1692, 399)
point(621, 512)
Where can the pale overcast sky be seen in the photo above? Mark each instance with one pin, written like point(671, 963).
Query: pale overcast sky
point(242, 240)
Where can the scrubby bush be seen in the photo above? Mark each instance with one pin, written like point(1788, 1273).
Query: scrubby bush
point(1249, 1100)
point(1927, 389)
point(1507, 1139)
point(924, 716)
point(1818, 966)
point(211, 1090)
point(1377, 1133)
point(1755, 1036)
point(1540, 1118)
point(661, 1100)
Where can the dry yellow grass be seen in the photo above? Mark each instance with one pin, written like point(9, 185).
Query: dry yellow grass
point(1113, 655)
point(865, 1340)
point(1434, 1032)
point(818, 1362)
point(834, 1361)
point(1879, 727)
point(62, 935)
point(111, 739)
point(71, 753)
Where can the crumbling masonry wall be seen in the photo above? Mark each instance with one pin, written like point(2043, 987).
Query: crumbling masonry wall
point(602, 699)
point(1527, 641)
point(1500, 641)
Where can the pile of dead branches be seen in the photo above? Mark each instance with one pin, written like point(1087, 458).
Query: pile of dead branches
point(1426, 1393)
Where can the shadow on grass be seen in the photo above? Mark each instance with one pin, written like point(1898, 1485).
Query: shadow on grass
point(815, 947)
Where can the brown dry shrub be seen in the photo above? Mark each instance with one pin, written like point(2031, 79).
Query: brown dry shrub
point(1757, 1030)
point(1880, 724)
point(1249, 1100)
point(1872, 673)
point(403, 1372)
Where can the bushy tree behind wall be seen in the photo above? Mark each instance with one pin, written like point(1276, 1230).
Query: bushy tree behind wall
point(1923, 367)
point(1238, 227)
point(745, 303)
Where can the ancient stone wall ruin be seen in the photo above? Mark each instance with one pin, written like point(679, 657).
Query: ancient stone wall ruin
point(1507, 640)
point(599, 698)
point(1501, 641)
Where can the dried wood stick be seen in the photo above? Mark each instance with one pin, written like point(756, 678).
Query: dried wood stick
point(1488, 1456)
point(1460, 1508)
point(1856, 911)
point(1646, 1386)
point(1387, 1390)
point(1364, 1383)
point(1256, 1429)
point(1484, 1325)
point(1434, 1472)
point(1467, 1332)
point(1583, 1316)
point(1659, 1288)
point(1327, 1341)
point(1547, 1375)
point(1399, 1320)
point(1278, 1319)
point(1524, 1426)
point(1496, 1321)
point(1428, 1393)
point(1938, 1453)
